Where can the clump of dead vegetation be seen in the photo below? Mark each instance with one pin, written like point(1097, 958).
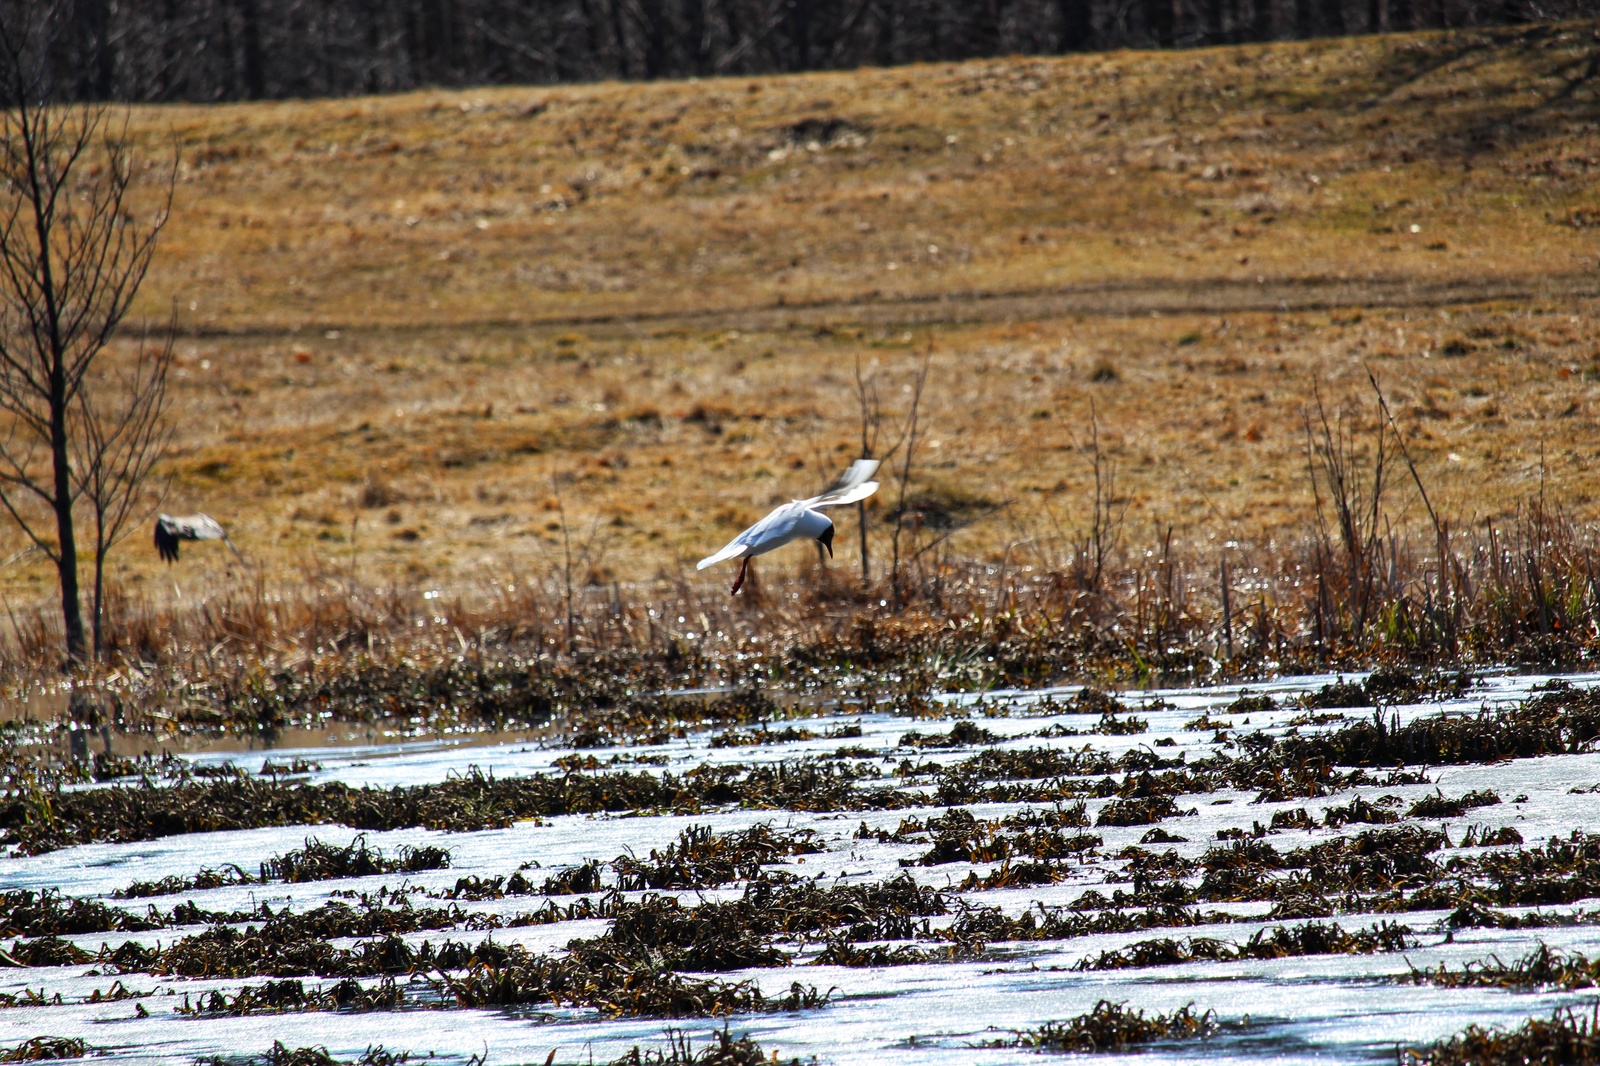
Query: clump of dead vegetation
point(702, 859)
point(46, 1048)
point(1540, 968)
point(1144, 810)
point(625, 971)
point(27, 912)
point(317, 861)
point(172, 884)
point(721, 1050)
point(631, 987)
point(749, 738)
point(290, 996)
point(1387, 685)
point(1565, 1037)
point(1112, 1027)
point(1387, 869)
point(1440, 806)
point(957, 836)
point(1557, 721)
point(39, 822)
point(1281, 942)
point(962, 734)
point(976, 926)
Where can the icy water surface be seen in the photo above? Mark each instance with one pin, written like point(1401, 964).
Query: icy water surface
point(1308, 1008)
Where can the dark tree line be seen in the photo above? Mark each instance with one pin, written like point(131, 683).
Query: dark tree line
point(201, 50)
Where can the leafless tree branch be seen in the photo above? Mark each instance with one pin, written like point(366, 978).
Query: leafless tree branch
point(73, 255)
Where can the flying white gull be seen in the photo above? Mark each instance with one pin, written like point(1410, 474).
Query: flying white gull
point(798, 520)
point(170, 530)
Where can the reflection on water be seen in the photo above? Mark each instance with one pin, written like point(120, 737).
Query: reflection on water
point(69, 724)
point(34, 707)
point(82, 744)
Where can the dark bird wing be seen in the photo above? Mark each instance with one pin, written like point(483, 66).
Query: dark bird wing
point(166, 541)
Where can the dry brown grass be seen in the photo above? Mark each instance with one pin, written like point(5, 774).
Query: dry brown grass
point(431, 339)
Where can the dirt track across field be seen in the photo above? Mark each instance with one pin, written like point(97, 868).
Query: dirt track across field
point(1114, 299)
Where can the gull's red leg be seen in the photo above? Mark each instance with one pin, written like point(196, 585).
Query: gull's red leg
point(738, 582)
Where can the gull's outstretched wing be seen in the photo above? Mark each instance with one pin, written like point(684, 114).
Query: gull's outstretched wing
point(853, 486)
point(775, 527)
point(170, 530)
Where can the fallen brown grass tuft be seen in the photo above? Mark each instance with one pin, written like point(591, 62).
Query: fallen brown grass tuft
point(1311, 938)
point(1565, 1037)
point(1541, 968)
point(45, 1048)
point(1112, 1027)
point(722, 1050)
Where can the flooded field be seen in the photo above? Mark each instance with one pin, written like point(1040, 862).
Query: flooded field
point(1316, 882)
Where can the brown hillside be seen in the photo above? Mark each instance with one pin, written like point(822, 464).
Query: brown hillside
point(441, 322)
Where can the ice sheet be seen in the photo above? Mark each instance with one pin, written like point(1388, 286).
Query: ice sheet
point(1322, 1009)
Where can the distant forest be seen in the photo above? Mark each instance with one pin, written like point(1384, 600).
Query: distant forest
point(204, 50)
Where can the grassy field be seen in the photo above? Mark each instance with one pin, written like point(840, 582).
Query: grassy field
point(433, 337)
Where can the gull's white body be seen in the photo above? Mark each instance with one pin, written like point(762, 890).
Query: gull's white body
point(192, 527)
point(788, 523)
point(797, 520)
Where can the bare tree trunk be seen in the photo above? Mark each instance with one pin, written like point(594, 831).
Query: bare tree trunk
point(255, 83)
point(1337, 23)
point(97, 617)
point(861, 524)
point(871, 411)
point(95, 59)
point(800, 33)
point(1305, 18)
point(619, 34)
point(1261, 21)
point(1161, 19)
point(66, 541)
point(1077, 25)
point(1215, 17)
point(655, 38)
point(48, 294)
point(232, 72)
point(986, 30)
point(698, 34)
point(908, 441)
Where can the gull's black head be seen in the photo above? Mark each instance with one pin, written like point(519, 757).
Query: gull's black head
point(825, 538)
